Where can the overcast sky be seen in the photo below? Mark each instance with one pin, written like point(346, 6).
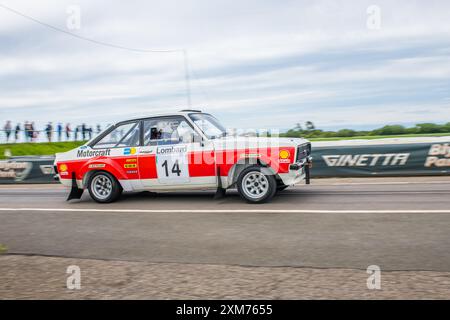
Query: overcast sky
point(253, 63)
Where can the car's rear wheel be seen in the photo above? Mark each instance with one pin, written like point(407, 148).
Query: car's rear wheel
point(104, 187)
point(255, 185)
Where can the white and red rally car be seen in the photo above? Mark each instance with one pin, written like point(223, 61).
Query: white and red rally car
point(181, 151)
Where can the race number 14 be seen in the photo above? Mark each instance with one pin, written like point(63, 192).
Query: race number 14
point(175, 169)
point(172, 168)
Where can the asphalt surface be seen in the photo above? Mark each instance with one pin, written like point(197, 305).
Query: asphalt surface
point(346, 223)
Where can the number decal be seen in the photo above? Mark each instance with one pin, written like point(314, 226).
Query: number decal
point(172, 164)
point(175, 169)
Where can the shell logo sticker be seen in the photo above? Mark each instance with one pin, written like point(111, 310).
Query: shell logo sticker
point(284, 154)
point(63, 168)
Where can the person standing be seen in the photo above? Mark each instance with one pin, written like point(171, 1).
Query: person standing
point(83, 131)
point(33, 133)
point(8, 129)
point(26, 130)
point(16, 133)
point(59, 129)
point(68, 131)
point(49, 131)
point(77, 128)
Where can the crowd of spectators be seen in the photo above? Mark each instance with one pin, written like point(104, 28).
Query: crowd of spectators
point(51, 133)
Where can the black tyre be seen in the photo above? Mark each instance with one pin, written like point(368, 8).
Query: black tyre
point(256, 185)
point(104, 187)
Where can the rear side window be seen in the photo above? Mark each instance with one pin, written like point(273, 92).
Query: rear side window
point(125, 135)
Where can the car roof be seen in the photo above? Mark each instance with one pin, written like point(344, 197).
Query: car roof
point(166, 114)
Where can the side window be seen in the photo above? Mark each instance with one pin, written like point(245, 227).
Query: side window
point(170, 130)
point(126, 135)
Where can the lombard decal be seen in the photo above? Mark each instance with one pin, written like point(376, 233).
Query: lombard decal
point(366, 160)
point(438, 156)
point(132, 172)
point(93, 153)
point(128, 151)
point(131, 160)
point(171, 150)
point(96, 165)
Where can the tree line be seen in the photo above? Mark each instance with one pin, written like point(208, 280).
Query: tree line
point(310, 131)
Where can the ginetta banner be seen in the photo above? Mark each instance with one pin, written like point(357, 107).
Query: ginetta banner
point(382, 160)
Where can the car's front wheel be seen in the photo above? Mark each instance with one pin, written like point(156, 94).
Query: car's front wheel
point(104, 187)
point(255, 185)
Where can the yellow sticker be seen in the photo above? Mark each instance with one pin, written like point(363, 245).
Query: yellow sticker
point(284, 154)
point(63, 167)
point(130, 165)
point(131, 160)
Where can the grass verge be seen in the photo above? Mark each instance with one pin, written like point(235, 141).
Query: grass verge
point(38, 149)
point(382, 137)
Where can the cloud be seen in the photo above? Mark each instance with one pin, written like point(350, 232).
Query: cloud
point(274, 63)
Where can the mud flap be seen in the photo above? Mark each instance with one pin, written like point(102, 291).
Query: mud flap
point(75, 192)
point(220, 192)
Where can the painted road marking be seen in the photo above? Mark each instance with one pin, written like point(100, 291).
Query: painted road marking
point(221, 210)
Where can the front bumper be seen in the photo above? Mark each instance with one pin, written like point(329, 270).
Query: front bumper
point(301, 170)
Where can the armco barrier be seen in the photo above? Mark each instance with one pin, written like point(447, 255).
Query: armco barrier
point(387, 157)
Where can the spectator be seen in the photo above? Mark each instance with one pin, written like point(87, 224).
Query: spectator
point(8, 129)
point(59, 129)
point(16, 133)
point(99, 129)
point(49, 131)
point(26, 130)
point(68, 131)
point(83, 131)
point(77, 128)
point(90, 130)
point(33, 133)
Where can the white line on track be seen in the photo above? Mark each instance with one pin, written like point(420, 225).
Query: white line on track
point(221, 210)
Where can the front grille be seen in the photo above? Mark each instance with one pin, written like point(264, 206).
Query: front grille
point(303, 151)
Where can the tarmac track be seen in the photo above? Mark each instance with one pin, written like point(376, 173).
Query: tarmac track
point(397, 224)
